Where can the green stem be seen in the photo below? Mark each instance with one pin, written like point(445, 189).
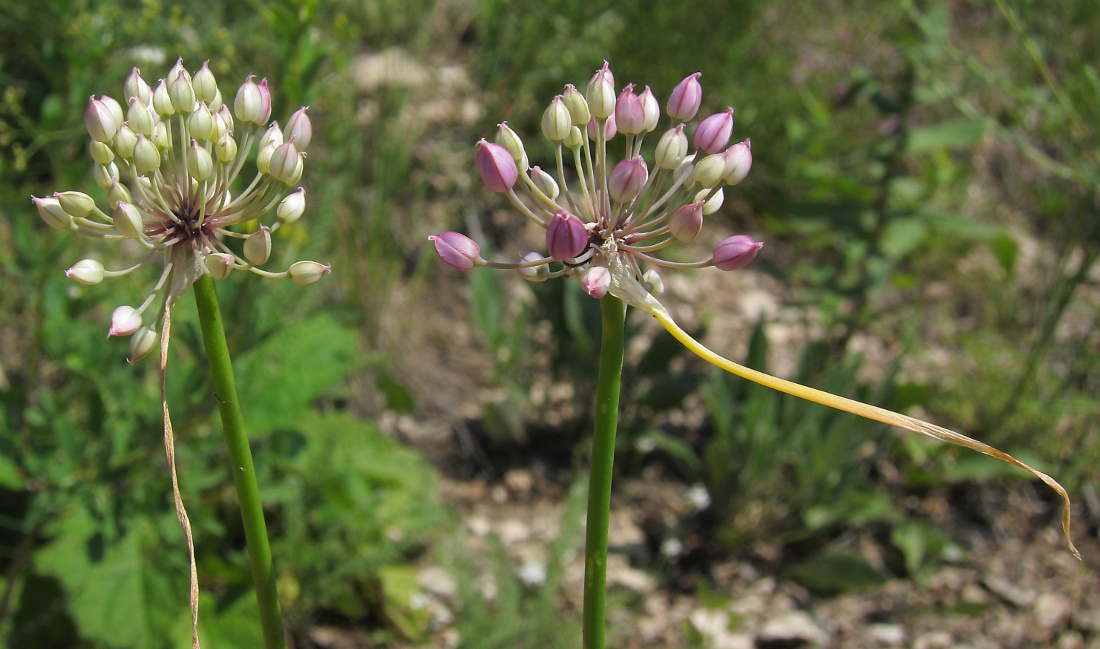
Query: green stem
point(599, 481)
point(240, 456)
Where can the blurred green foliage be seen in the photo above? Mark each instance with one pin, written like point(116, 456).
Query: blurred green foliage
point(925, 172)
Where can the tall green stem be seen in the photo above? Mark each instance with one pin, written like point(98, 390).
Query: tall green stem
point(240, 456)
point(599, 482)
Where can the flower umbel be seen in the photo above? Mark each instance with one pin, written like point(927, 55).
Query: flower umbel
point(631, 211)
point(181, 149)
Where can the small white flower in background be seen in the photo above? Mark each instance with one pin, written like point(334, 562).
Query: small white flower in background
point(181, 148)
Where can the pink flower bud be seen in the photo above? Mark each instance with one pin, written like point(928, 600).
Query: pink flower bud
point(714, 133)
point(738, 162)
point(629, 113)
point(535, 273)
point(265, 103)
point(456, 249)
point(651, 109)
point(299, 129)
point(497, 166)
point(735, 252)
point(601, 93)
point(100, 120)
point(685, 99)
point(596, 281)
point(566, 236)
point(627, 179)
point(609, 128)
point(686, 222)
point(125, 320)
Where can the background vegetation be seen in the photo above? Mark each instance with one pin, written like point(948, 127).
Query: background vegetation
point(926, 179)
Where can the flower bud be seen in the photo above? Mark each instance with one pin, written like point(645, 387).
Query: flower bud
point(456, 249)
point(272, 134)
point(650, 109)
point(75, 204)
point(125, 141)
point(738, 162)
point(653, 283)
point(86, 271)
point(575, 139)
point(609, 128)
point(545, 182)
point(101, 153)
point(685, 99)
point(496, 166)
point(225, 148)
point(577, 105)
point(708, 171)
point(686, 222)
point(141, 343)
point(714, 133)
point(135, 86)
point(556, 121)
point(216, 102)
point(49, 209)
point(104, 175)
point(713, 203)
point(511, 141)
point(199, 163)
point(118, 192)
point(128, 221)
point(146, 156)
point(205, 85)
point(161, 137)
point(201, 122)
point(629, 113)
point(226, 117)
point(292, 207)
point(627, 179)
point(735, 252)
point(182, 93)
point(139, 118)
point(533, 273)
point(596, 281)
point(257, 247)
point(566, 236)
point(284, 163)
point(672, 148)
point(219, 265)
point(263, 157)
point(265, 103)
point(162, 102)
point(125, 320)
point(304, 273)
point(248, 104)
point(100, 121)
point(299, 129)
point(601, 93)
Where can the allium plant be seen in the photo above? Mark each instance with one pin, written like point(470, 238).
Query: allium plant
point(607, 223)
point(168, 159)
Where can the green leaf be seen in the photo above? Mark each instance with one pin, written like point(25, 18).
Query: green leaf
point(115, 594)
point(902, 236)
point(279, 378)
point(954, 134)
point(399, 589)
point(921, 546)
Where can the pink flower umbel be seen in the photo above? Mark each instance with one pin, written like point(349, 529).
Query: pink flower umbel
point(182, 148)
point(609, 221)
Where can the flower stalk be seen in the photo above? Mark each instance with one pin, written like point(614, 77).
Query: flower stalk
point(613, 316)
point(240, 458)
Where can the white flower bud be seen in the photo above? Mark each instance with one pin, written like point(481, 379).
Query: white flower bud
point(257, 247)
point(86, 271)
point(304, 273)
point(128, 221)
point(292, 207)
point(219, 265)
point(141, 343)
point(125, 320)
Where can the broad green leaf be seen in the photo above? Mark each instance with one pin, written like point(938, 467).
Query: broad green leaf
point(836, 573)
point(279, 378)
point(115, 594)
